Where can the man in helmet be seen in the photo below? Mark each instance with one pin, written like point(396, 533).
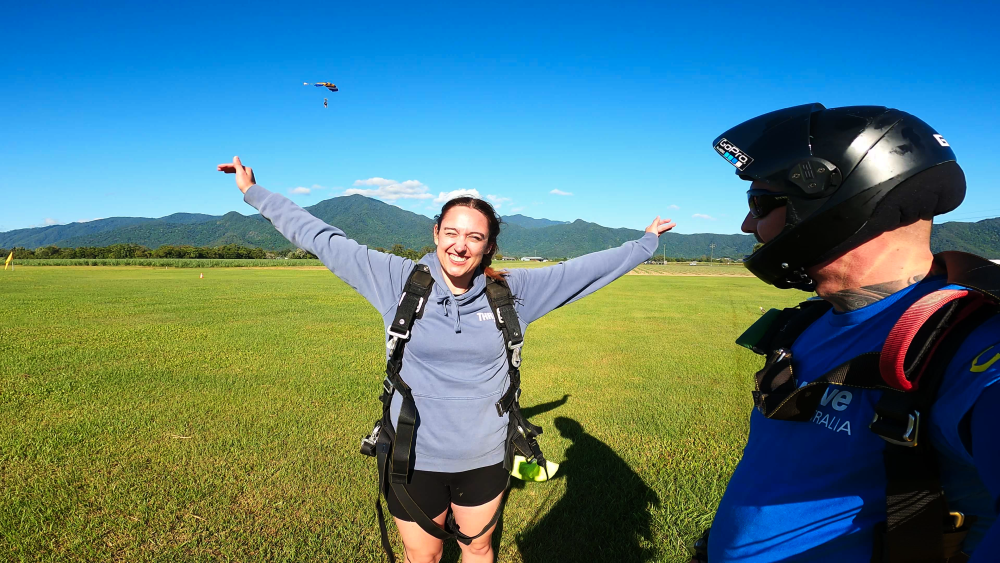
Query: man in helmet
point(872, 437)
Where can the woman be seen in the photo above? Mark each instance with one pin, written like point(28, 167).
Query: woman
point(455, 361)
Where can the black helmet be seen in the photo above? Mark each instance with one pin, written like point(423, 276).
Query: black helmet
point(849, 174)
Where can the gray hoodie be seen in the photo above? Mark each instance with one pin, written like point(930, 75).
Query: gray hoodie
point(455, 360)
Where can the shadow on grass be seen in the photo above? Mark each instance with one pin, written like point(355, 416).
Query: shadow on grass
point(452, 553)
point(604, 513)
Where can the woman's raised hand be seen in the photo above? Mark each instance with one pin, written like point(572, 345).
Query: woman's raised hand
point(659, 226)
point(244, 174)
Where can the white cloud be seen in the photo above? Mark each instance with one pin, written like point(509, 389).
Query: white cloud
point(443, 197)
point(671, 206)
point(51, 221)
point(560, 192)
point(498, 201)
point(317, 187)
point(376, 181)
point(300, 191)
point(703, 216)
point(517, 209)
point(390, 190)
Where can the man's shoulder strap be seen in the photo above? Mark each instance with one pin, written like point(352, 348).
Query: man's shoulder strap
point(971, 271)
point(780, 328)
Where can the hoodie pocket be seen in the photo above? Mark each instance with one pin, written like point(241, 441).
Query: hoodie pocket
point(459, 429)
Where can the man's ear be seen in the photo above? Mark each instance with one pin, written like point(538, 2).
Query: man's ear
point(435, 231)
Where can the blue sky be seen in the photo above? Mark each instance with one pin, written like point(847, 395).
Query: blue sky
point(124, 109)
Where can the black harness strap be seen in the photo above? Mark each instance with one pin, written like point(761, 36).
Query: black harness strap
point(418, 287)
point(972, 271)
point(777, 390)
point(800, 403)
point(522, 435)
point(505, 317)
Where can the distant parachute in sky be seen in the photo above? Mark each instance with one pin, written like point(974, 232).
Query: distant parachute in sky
point(328, 85)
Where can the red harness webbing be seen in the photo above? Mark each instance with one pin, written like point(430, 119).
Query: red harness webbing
point(893, 357)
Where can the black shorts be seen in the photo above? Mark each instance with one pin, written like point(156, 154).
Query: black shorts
point(434, 492)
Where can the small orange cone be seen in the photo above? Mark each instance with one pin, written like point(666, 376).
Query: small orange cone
point(201, 276)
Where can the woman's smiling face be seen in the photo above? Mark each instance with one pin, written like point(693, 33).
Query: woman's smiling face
point(462, 240)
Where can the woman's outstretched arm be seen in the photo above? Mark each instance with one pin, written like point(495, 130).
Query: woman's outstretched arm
point(377, 276)
point(543, 289)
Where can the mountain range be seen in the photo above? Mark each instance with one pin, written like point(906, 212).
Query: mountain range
point(377, 224)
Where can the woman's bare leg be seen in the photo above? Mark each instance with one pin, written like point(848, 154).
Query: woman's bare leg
point(472, 519)
point(418, 545)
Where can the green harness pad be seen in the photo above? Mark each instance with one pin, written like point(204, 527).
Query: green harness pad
point(753, 335)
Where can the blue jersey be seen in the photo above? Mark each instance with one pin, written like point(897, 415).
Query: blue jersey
point(814, 491)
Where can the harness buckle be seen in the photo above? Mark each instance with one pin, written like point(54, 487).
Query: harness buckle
point(394, 338)
point(892, 429)
point(515, 355)
point(387, 386)
point(957, 520)
point(368, 443)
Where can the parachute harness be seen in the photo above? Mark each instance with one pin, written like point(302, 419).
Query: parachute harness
point(393, 447)
point(909, 369)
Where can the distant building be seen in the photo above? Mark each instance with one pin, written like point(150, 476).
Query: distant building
point(533, 259)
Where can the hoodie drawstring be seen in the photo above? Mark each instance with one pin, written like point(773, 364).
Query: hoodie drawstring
point(445, 301)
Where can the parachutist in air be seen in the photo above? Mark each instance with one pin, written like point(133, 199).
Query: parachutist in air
point(329, 86)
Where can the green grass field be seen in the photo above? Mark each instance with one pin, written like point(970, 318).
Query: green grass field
point(149, 415)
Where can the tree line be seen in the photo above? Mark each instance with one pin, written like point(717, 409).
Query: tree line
point(228, 251)
point(224, 252)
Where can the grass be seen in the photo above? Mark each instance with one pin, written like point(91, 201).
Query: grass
point(150, 415)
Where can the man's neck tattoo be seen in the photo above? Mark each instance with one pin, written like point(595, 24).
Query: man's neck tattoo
point(858, 297)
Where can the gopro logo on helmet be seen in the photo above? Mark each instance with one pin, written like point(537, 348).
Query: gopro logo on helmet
point(733, 154)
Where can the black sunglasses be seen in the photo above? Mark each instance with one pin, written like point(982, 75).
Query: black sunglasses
point(762, 202)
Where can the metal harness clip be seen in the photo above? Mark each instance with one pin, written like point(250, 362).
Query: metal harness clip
point(368, 443)
point(782, 354)
point(515, 356)
point(891, 430)
point(394, 338)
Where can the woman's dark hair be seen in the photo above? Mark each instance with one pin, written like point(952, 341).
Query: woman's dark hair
point(492, 219)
